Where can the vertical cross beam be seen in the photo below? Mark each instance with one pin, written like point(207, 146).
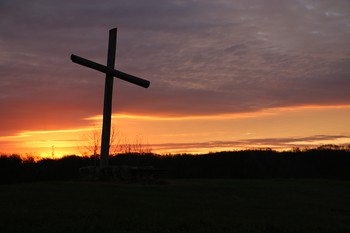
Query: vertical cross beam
point(107, 106)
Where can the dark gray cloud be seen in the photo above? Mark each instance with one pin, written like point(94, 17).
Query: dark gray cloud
point(202, 57)
point(278, 143)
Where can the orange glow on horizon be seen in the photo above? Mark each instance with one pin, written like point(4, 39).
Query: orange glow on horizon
point(186, 134)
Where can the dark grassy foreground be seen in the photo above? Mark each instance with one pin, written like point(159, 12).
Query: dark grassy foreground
point(180, 206)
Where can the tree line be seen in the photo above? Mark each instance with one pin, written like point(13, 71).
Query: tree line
point(327, 162)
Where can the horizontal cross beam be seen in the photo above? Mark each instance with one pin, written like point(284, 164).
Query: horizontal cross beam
point(116, 73)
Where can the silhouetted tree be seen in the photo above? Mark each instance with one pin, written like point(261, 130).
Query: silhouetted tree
point(91, 141)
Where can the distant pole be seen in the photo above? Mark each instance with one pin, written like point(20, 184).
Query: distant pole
point(107, 106)
point(53, 152)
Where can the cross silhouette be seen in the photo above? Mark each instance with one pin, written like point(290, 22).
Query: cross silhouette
point(110, 74)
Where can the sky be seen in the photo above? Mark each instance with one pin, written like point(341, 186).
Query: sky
point(224, 74)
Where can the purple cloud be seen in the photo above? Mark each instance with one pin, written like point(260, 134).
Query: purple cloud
point(202, 57)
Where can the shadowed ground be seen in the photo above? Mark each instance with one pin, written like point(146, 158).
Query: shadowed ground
point(180, 206)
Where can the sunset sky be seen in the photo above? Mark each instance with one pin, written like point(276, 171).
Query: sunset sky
point(224, 74)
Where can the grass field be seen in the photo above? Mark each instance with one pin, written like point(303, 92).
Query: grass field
point(270, 206)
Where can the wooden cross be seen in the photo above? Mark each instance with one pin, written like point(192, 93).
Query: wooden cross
point(110, 74)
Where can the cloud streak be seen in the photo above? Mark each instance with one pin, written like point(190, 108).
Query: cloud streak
point(275, 143)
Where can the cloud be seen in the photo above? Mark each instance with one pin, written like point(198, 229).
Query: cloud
point(202, 57)
point(277, 143)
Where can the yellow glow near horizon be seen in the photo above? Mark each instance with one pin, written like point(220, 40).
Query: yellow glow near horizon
point(274, 123)
point(45, 142)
